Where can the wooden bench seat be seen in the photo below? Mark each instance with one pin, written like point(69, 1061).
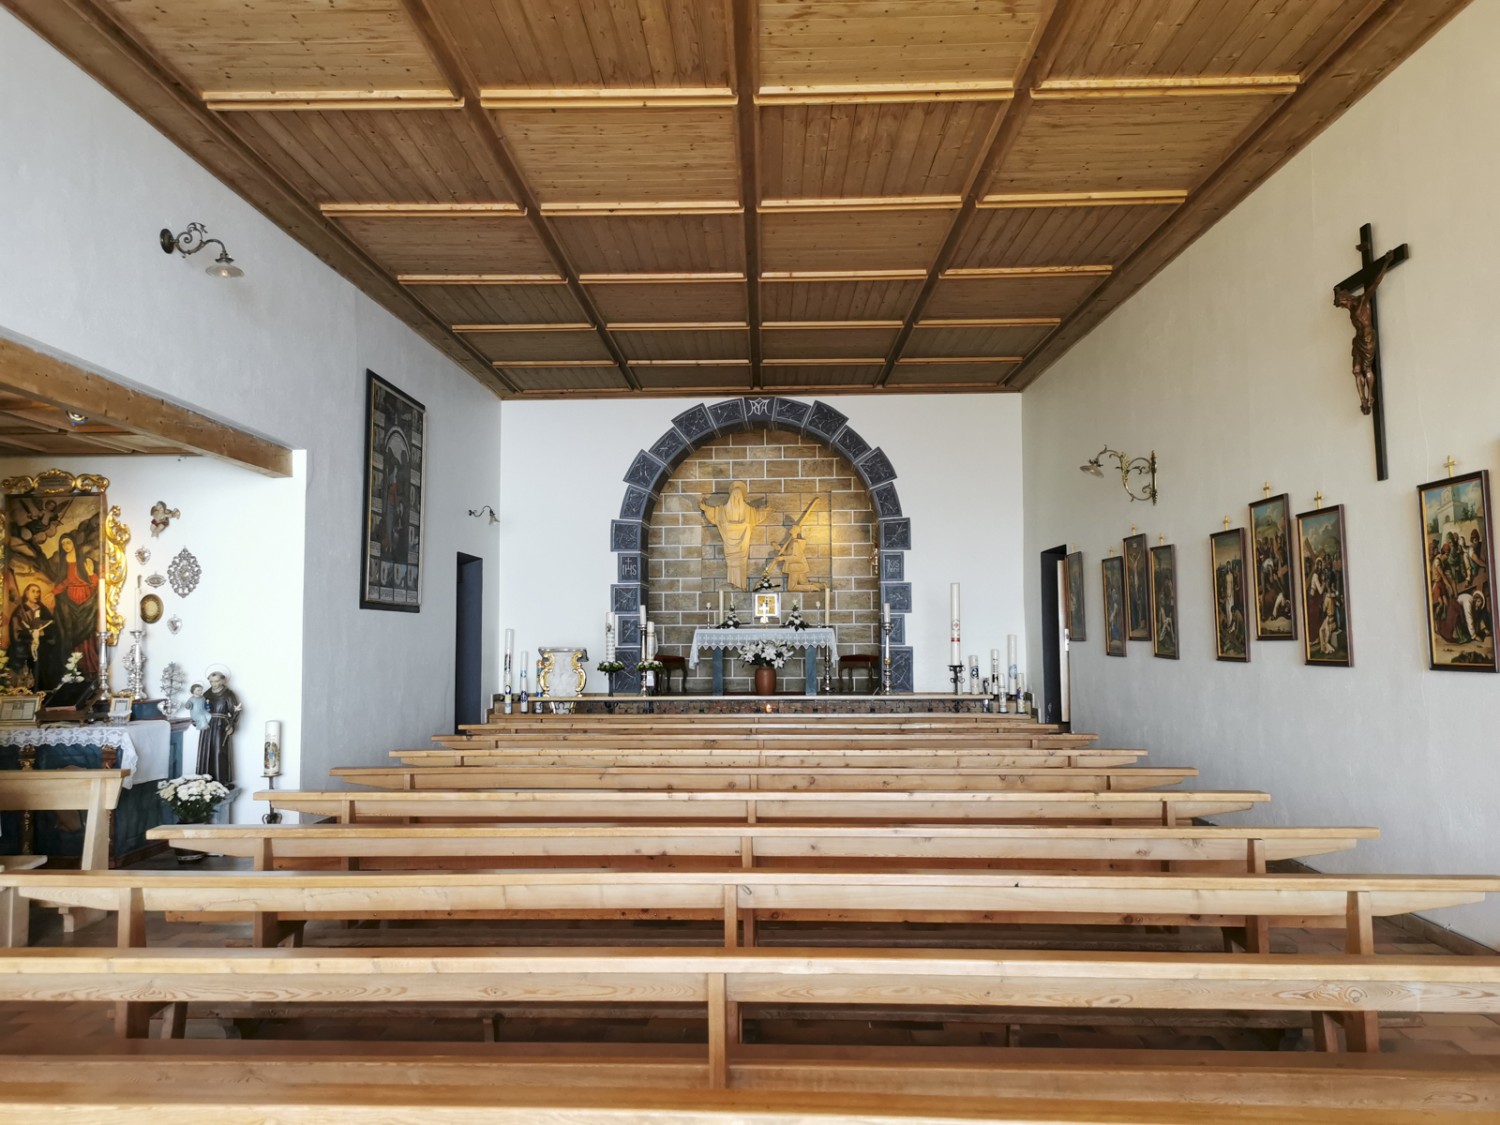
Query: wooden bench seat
point(781, 778)
point(1164, 807)
point(711, 740)
point(1084, 757)
point(763, 846)
point(1213, 1080)
point(738, 898)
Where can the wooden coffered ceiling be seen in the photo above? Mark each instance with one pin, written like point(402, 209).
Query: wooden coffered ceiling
point(714, 196)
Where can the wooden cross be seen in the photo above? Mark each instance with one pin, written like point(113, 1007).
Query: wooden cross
point(1449, 464)
point(1356, 293)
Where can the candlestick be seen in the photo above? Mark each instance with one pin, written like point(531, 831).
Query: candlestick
point(271, 766)
point(1010, 660)
point(955, 635)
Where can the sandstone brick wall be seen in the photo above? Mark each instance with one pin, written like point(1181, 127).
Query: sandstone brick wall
point(685, 557)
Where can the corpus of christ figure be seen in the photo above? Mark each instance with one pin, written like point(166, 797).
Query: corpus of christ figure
point(736, 520)
point(1362, 312)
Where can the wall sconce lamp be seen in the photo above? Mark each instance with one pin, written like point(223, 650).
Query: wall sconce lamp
point(1144, 467)
point(195, 238)
point(486, 510)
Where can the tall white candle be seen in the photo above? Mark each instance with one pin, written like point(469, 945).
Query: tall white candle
point(649, 652)
point(721, 604)
point(827, 605)
point(885, 613)
point(510, 655)
point(1010, 659)
point(610, 628)
point(956, 653)
point(643, 615)
point(523, 668)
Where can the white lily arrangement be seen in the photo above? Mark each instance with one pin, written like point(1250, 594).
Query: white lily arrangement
point(766, 654)
point(193, 797)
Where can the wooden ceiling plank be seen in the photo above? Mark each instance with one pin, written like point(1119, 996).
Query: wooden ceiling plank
point(88, 35)
point(1053, 17)
point(271, 101)
point(440, 44)
point(745, 24)
point(1389, 35)
point(51, 380)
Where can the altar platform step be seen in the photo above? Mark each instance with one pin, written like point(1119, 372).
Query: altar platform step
point(910, 703)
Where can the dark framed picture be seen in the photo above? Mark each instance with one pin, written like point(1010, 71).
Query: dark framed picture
point(1325, 588)
point(395, 441)
point(1231, 625)
point(1137, 588)
point(1164, 601)
point(1457, 549)
point(1114, 605)
point(1275, 577)
point(1077, 630)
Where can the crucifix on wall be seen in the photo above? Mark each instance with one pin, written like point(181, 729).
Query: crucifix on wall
point(1356, 295)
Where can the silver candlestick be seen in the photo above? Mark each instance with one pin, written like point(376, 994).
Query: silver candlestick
point(885, 658)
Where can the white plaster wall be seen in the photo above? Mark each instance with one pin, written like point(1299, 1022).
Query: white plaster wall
point(85, 185)
point(957, 458)
point(1234, 365)
point(247, 603)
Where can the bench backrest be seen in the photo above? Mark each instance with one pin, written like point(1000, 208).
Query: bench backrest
point(1024, 758)
point(899, 778)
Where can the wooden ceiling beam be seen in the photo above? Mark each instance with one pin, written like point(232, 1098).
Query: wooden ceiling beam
point(1052, 23)
point(59, 383)
point(1347, 70)
point(88, 33)
point(615, 97)
point(877, 93)
point(449, 62)
point(745, 33)
point(278, 101)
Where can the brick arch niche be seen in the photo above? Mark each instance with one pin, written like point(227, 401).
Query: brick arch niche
point(707, 423)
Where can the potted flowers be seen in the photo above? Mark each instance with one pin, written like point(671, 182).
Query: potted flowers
point(766, 656)
point(611, 669)
point(192, 799)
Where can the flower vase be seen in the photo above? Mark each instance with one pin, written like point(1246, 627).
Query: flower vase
point(765, 680)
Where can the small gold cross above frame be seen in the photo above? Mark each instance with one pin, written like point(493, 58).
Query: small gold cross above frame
point(1317, 499)
point(1450, 464)
point(1226, 523)
point(1160, 540)
point(1132, 529)
point(1266, 488)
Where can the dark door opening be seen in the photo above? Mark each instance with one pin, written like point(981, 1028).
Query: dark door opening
point(1052, 705)
point(468, 642)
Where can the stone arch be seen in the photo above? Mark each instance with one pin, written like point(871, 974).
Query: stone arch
point(705, 422)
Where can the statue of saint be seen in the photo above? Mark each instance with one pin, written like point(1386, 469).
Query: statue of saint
point(736, 520)
point(215, 743)
point(1363, 317)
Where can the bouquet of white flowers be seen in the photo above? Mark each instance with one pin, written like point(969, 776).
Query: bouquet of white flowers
point(71, 672)
point(766, 654)
point(193, 797)
point(795, 620)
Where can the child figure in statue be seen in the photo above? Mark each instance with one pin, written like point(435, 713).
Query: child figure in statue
point(198, 708)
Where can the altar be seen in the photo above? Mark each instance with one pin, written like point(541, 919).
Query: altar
point(809, 640)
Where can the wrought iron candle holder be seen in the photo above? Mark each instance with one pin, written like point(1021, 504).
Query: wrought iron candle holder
point(956, 674)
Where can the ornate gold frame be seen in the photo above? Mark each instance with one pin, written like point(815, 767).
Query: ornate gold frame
point(115, 534)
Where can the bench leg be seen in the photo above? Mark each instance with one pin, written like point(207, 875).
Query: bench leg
point(15, 919)
point(174, 1020)
point(1325, 1031)
point(133, 1019)
point(718, 1032)
point(1361, 1029)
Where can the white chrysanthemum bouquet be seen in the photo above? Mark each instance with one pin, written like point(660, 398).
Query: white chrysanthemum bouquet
point(193, 797)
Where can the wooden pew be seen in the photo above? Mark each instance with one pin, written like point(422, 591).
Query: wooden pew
point(737, 897)
point(722, 981)
point(1025, 758)
point(709, 740)
point(831, 721)
point(1298, 1086)
point(1165, 807)
point(778, 778)
point(95, 793)
point(759, 846)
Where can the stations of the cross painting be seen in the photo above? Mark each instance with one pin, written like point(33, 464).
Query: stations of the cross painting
point(1356, 294)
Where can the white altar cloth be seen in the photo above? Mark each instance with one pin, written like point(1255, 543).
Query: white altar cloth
point(143, 747)
point(823, 637)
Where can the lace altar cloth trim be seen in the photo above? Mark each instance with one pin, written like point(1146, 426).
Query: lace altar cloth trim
point(823, 637)
point(72, 735)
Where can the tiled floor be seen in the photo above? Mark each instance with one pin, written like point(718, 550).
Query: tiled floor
point(1453, 1034)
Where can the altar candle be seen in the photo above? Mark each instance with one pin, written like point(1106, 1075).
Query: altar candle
point(643, 616)
point(1010, 658)
point(956, 654)
point(610, 626)
point(272, 766)
point(649, 652)
point(885, 613)
point(827, 605)
point(523, 667)
point(721, 604)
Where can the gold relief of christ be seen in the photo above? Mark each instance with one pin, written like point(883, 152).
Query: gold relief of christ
point(737, 519)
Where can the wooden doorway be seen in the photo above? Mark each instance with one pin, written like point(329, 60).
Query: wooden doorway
point(1053, 706)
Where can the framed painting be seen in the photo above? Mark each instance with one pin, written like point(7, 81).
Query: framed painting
point(1325, 588)
point(63, 571)
point(1076, 622)
point(1137, 588)
point(1164, 601)
point(1457, 549)
point(1275, 576)
point(1115, 632)
point(395, 442)
point(1231, 626)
